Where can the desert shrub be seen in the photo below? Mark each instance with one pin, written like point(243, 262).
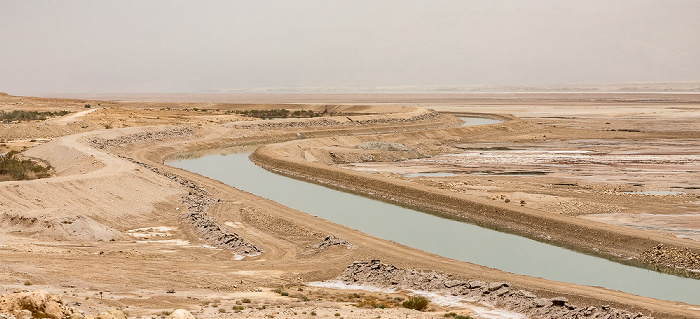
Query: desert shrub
point(278, 113)
point(416, 303)
point(14, 168)
point(281, 291)
point(18, 115)
point(237, 308)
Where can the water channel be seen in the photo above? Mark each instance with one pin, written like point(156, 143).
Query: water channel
point(444, 237)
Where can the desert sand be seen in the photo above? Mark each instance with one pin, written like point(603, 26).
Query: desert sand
point(116, 228)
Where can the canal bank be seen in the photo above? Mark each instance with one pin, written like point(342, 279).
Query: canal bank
point(441, 236)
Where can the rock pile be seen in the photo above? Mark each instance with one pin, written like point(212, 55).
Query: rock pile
point(33, 304)
point(101, 143)
point(671, 257)
point(289, 124)
point(382, 146)
point(322, 122)
point(331, 241)
point(500, 294)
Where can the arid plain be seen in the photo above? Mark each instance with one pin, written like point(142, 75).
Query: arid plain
point(616, 175)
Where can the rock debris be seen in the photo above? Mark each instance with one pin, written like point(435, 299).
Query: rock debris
point(499, 294)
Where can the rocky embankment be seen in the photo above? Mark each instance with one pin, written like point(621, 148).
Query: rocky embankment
point(197, 200)
point(672, 257)
point(146, 136)
point(351, 120)
point(499, 294)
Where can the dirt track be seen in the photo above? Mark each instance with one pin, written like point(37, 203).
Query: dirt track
point(114, 195)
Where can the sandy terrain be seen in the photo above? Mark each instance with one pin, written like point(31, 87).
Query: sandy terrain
point(118, 229)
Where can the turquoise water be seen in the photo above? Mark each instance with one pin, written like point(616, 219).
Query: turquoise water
point(448, 238)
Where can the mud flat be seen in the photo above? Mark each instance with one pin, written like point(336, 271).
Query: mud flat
point(110, 229)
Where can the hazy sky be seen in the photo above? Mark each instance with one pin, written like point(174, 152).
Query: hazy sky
point(190, 46)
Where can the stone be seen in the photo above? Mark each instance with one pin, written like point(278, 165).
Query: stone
point(475, 284)
point(502, 291)
point(112, 314)
point(453, 283)
point(180, 314)
point(527, 294)
point(539, 303)
point(39, 304)
point(496, 285)
point(24, 314)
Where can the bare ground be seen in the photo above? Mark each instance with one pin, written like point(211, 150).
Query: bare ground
point(111, 225)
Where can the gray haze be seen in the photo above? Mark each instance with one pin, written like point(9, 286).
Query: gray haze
point(194, 46)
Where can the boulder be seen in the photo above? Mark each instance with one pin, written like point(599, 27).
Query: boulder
point(180, 314)
point(39, 304)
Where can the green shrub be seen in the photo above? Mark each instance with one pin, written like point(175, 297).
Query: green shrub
point(19, 116)
point(237, 308)
point(14, 168)
point(416, 303)
point(278, 113)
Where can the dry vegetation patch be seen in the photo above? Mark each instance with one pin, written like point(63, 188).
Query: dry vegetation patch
point(14, 167)
point(20, 115)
